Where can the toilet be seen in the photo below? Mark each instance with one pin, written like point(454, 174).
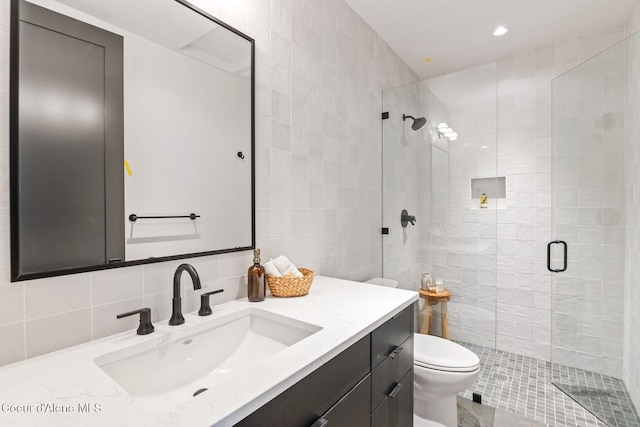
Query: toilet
point(441, 370)
point(389, 283)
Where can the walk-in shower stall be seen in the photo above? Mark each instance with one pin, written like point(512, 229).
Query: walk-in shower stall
point(529, 214)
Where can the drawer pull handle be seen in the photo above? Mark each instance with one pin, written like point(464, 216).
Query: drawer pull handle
point(395, 352)
point(393, 393)
point(320, 422)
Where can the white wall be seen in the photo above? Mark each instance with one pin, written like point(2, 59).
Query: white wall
point(632, 181)
point(320, 73)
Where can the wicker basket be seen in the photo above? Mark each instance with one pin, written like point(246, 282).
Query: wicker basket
point(290, 286)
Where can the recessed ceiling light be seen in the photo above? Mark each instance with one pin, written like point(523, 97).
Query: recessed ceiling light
point(500, 31)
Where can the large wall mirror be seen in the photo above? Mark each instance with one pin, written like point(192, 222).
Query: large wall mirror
point(132, 135)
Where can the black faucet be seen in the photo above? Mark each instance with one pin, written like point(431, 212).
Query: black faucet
point(176, 316)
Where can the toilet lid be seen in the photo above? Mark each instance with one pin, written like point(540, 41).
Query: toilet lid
point(444, 355)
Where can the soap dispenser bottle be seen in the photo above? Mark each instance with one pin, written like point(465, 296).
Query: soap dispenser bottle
point(256, 280)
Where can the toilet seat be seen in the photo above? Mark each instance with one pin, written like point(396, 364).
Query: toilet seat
point(437, 353)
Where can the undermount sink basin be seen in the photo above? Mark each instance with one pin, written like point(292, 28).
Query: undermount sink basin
point(190, 361)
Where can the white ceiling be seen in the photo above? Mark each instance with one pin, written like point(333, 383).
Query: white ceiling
point(458, 33)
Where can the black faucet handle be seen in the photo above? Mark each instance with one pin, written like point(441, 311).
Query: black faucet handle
point(205, 308)
point(145, 327)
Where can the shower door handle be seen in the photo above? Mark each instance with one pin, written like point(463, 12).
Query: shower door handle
point(564, 245)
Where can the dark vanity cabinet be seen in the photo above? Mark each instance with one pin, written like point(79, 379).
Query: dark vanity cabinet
point(392, 372)
point(368, 384)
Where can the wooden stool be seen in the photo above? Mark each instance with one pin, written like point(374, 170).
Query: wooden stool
point(433, 298)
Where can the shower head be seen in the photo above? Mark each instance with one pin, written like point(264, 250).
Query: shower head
point(417, 122)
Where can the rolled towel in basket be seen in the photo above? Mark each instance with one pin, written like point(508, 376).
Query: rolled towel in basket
point(285, 267)
point(271, 269)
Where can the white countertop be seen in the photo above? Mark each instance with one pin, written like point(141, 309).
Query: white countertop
point(53, 389)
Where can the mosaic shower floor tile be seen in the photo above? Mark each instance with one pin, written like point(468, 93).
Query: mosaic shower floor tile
point(523, 386)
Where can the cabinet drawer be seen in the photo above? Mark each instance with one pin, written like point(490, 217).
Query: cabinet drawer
point(352, 410)
point(396, 411)
point(390, 371)
point(390, 335)
point(304, 402)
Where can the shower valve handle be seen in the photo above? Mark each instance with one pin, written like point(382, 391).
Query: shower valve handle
point(405, 218)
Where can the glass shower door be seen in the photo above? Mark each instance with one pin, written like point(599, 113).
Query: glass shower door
point(439, 179)
point(463, 241)
point(587, 257)
point(401, 180)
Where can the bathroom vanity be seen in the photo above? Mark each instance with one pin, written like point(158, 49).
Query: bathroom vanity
point(370, 383)
point(343, 354)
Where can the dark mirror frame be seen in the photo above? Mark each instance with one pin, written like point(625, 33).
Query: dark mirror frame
point(13, 156)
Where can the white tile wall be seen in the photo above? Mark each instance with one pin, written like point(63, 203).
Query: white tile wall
point(631, 336)
point(320, 72)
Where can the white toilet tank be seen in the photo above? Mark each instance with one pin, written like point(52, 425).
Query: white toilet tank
point(390, 283)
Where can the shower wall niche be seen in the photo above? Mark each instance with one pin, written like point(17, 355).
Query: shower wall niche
point(488, 193)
